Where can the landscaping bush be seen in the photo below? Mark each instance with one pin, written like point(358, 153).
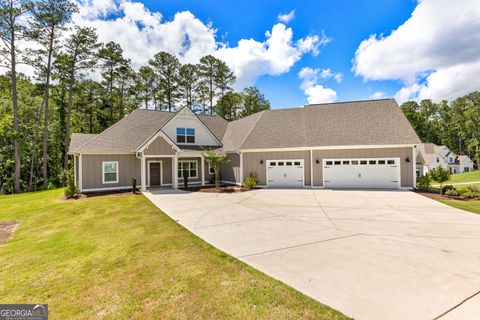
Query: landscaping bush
point(448, 187)
point(185, 175)
point(134, 184)
point(424, 183)
point(452, 192)
point(471, 192)
point(251, 181)
point(71, 189)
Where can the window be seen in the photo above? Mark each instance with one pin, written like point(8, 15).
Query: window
point(346, 162)
point(110, 172)
point(289, 163)
point(381, 161)
point(354, 162)
point(280, 164)
point(328, 163)
point(185, 135)
point(191, 166)
point(273, 164)
point(297, 163)
point(391, 162)
point(451, 159)
point(372, 162)
point(363, 161)
point(337, 163)
point(466, 169)
point(211, 170)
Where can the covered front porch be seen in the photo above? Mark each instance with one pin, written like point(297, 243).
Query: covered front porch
point(159, 170)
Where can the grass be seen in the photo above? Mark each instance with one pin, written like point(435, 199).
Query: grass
point(119, 257)
point(472, 206)
point(473, 176)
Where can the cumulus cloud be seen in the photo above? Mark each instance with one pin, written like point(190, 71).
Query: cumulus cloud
point(142, 33)
point(315, 92)
point(286, 17)
point(377, 95)
point(435, 52)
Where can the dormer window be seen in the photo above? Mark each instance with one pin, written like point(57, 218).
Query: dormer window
point(185, 135)
point(451, 159)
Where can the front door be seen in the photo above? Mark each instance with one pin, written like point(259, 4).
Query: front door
point(155, 173)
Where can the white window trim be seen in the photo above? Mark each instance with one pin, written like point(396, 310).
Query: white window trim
point(103, 172)
point(209, 169)
point(189, 161)
point(186, 135)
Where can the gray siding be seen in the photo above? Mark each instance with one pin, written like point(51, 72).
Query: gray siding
point(231, 171)
point(128, 166)
point(406, 168)
point(166, 169)
point(159, 146)
point(251, 163)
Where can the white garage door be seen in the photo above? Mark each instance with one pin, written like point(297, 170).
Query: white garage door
point(285, 173)
point(361, 173)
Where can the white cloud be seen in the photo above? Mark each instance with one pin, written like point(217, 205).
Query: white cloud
point(315, 92)
point(142, 33)
point(377, 95)
point(435, 52)
point(286, 17)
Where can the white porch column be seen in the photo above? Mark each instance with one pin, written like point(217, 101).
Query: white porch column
point(175, 172)
point(414, 160)
point(80, 173)
point(311, 168)
point(203, 169)
point(75, 174)
point(143, 174)
point(241, 169)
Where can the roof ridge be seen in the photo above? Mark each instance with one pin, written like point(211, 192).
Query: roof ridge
point(251, 129)
point(108, 129)
point(352, 101)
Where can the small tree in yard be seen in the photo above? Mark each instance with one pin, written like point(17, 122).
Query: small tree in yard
point(216, 160)
point(71, 189)
point(440, 175)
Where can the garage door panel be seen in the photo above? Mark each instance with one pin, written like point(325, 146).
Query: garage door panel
point(361, 173)
point(285, 173)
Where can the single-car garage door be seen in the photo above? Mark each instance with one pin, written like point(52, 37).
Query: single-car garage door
point(285, 173)
point(361, 173)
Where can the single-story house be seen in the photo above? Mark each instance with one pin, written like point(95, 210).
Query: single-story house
point(431, 156)
point(358, 144)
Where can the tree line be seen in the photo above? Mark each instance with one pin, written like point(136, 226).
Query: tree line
point(39, 113)
point(455, 124)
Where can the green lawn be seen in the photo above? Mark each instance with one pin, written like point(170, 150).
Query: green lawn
point(464, 177)
point(472, 206)
point(119, 257)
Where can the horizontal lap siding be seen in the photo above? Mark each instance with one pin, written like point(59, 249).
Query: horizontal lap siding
point(128, 167)
point(231, 171)
point(251, 163)
point(406, 168)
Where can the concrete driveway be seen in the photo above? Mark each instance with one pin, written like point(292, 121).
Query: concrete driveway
point(370, 254)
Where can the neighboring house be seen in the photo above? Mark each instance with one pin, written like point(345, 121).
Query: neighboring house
point(431, 156)
point(360, 144)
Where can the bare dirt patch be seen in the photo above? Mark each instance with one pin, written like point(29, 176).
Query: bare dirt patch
point(7, 229)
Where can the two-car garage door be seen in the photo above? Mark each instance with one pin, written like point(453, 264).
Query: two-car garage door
point(337, 173)
point(361, 173)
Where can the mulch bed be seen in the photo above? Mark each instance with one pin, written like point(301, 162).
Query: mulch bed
point(102, 193)
point(7, 229)
point(222, 189)
point(437, 196)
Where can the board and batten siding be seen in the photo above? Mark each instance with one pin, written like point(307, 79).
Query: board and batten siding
point(230, 172)
point(159, 146)
point(128, 167)
point(406, 168)
point(166, 169)
point(251, 163)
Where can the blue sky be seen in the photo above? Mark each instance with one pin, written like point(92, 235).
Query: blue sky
point(347, 23)
point(326, 51)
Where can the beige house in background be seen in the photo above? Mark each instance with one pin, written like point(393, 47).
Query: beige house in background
point(358, 144)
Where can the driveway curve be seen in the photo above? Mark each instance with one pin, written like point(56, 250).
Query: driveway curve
point(370, 254)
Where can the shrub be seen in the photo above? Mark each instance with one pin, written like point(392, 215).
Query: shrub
point(71, 189)
point(471, 192)
point(134, 184)
point(251, 181)
point(425, 182)
point(452, 192)
point(448, 187)
point(185, 175)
